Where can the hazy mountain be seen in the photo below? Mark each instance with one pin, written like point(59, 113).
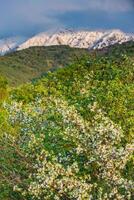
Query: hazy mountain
point(10, 44)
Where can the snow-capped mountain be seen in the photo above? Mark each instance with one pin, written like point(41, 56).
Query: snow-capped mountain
point(79, 39)
point(111, 38)
point(10, 44)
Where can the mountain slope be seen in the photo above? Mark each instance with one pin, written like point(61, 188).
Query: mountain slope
point(22, 66)
point(25, 65)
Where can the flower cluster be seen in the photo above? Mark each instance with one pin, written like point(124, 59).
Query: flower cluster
point(68, 156)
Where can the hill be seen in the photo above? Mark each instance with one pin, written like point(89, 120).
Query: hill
point(112, 69)
point(23, 66)
point(69, 134)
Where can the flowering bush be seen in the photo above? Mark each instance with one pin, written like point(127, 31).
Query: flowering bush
point(68, 157)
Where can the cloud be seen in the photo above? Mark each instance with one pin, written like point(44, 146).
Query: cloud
point(111, 5)
point(98, 20)
point(31, 16)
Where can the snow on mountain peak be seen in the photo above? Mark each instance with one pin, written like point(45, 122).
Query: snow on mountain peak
point(111, 38)
point(79, 39)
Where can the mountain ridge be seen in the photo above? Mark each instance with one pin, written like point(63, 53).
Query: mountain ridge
point(78, 39)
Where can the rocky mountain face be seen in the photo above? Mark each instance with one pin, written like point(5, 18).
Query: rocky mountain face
point(78, 39)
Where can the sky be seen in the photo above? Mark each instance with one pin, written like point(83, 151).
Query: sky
point(29, 17)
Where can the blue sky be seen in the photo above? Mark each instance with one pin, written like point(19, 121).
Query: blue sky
point(28, 17)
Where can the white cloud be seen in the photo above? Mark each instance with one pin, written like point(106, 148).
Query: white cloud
point(26, 14)
point(44, 11)
point(111, 5)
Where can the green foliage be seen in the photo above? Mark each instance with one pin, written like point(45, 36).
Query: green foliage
point(69, 135)
point(23, 66)
point(3, 88)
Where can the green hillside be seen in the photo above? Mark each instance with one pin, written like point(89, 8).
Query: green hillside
point(69, 134)
point(22, 66)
